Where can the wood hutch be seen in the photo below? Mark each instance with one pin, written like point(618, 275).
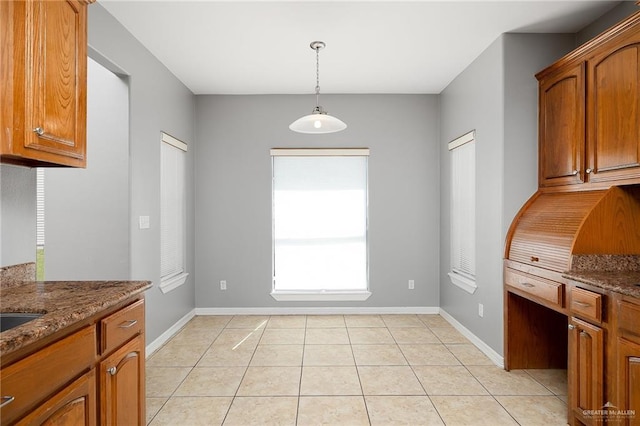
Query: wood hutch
point(583, 221)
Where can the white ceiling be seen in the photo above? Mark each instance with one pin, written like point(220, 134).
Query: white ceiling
point(262, 47)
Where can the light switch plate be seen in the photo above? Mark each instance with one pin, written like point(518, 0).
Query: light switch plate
point(143, 222)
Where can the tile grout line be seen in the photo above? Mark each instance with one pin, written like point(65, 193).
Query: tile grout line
point(416, 376)
point(235, 395)
point(185, 377)
point(304, 346)
point(355, 364)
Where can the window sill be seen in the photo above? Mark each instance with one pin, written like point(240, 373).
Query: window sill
point(464, 283)
point(171, 283)
point(312, 296)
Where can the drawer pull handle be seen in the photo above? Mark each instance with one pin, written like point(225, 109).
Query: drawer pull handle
point(535, 259)
point(583, 304)
point(528, 285)
point(6, 400)
point(112, 371)
point(571, 326)
point(128, 324)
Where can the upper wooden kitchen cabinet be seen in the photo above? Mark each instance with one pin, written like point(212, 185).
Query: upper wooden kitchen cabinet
point(43, 71)
point(613, 108)
point(561, 127)
point(589, 113)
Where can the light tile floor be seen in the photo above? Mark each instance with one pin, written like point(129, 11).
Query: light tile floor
point(341, 370)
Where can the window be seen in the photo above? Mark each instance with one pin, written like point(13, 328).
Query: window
point(463, 208)
point(320, 249)
point(40, 224)
point(172, 213)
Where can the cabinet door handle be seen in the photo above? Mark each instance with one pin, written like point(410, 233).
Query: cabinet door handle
point(44, 135)
point(128, 324)
point(571, 326)
point(589, 171)
point(6, 400)
point(575, 172)
point(112, 371)
point(583, 304)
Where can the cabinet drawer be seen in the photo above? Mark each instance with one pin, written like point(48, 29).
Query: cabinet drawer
point(121, 326)
point(550, 291)
point(629, 320)
point(586, 304)
point(35, 377)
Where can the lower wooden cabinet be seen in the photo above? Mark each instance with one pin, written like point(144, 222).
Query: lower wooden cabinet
point(586, 369)
point(122, 396)
point(72, 406)
point(629, 382)
point(91, 376)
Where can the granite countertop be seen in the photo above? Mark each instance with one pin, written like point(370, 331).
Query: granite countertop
point(62, 302)
point(617, 273)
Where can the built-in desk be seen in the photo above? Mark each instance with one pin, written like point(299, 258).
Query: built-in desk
point(586, 320)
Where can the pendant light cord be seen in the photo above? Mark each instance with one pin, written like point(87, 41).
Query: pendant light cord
point(317, 76)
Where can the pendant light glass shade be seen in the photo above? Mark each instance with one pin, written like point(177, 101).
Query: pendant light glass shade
point(318, 121)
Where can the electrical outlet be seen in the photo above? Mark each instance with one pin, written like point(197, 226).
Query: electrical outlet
point(411, 284)
point(480, 309)
point(223, 285)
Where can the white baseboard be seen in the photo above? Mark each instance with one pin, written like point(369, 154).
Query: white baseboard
point(164, 337)
point(486, 349)
point(319, 310)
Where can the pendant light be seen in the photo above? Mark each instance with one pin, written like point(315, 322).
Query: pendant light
point(318, 121)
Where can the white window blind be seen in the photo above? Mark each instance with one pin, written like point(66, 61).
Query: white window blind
point(40, 207)
point(463, 207)
point(320, 220)
point(172, 214)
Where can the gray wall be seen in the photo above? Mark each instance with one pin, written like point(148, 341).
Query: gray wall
point(233, 194)
point(615, 15)
point(157, 102)
point(87, 210)
point(17, 215)
point(497, 96)
point(524, 55)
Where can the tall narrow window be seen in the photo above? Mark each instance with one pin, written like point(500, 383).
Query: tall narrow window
point(172, 213)
point(320, 224)
point(463, 208)
point(40, 224)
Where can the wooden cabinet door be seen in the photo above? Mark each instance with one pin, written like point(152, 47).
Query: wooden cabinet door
point(122, 397)
point(586, 369)
point(47, 83)
point(629, 381)
point(614, 109)
point(75, 405)
point(562, 127)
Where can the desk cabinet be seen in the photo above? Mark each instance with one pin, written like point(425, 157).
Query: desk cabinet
point(585, 369)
